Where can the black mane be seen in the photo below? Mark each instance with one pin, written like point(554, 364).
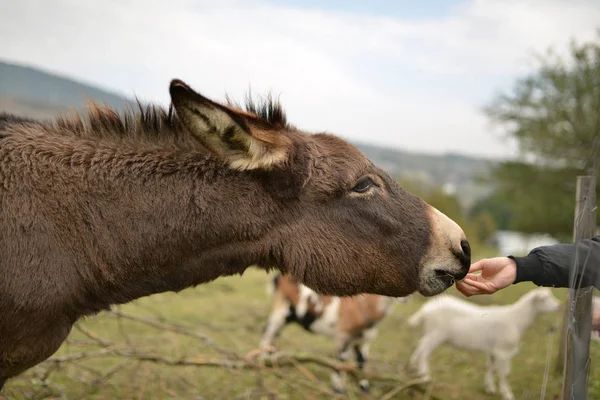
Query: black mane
point(266, 108)
point(143, 120)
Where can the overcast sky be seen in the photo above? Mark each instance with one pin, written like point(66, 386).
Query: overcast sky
point(405, 74)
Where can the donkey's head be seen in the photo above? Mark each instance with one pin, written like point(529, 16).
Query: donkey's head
point(342, 225)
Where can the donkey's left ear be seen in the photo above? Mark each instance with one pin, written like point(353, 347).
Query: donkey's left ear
point(234, 136)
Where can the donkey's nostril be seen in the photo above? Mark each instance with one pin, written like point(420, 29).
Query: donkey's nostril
point(465, 258)
point(465, 247)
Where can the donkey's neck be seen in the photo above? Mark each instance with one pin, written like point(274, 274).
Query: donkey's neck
point(148, 233)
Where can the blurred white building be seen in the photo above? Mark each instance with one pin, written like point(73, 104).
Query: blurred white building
point(449, 188)
point(517, 243)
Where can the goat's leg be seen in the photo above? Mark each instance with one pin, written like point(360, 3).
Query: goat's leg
point(426, 347)
point(414, 358)
point(338, 378)
point(2, 382)
point(416, 354)
point(490, 384)
point(502, 367)
point(277, 320)
point(361, 351)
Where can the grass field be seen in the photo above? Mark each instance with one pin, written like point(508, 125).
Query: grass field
point(232, 312)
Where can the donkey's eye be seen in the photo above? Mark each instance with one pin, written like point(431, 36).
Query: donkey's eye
point(363, 185)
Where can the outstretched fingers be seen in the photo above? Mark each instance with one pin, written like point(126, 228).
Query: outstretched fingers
point(471, 287)
point(478, 266)
point(484, 287)
point(466, 289)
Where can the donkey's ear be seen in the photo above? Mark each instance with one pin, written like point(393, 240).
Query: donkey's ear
point(238, 138)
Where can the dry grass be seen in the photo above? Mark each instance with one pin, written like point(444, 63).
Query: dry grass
point(232, 312)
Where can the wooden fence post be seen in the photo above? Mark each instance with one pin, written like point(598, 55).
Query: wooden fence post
point(579, 311)
point(559, 366)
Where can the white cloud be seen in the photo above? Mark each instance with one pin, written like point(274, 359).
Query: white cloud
point(327, 66)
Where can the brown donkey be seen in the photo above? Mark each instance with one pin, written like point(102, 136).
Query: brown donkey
point(103, 209)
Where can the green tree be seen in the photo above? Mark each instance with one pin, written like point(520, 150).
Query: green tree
point(554, 115)
point(483, 226)
point(497, 207)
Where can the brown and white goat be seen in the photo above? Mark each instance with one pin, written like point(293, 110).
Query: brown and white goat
point(351, 321)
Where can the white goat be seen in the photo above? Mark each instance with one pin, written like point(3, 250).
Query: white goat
point(495, 330)
point(351, 321)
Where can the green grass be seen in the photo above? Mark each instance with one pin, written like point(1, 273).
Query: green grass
point(233, 311)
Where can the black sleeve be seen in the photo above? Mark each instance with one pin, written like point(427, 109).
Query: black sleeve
point(550, 265)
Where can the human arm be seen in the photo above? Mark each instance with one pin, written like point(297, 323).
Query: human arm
point(544, 266)
point(551, 265)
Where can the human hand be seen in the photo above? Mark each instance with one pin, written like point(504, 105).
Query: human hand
point(496, 273)
point(596, 322)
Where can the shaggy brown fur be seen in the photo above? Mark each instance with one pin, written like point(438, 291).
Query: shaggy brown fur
point(102, 209)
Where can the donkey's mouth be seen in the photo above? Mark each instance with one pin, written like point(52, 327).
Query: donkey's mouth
point(436, 281)
point(446, 278)
point(456, 276)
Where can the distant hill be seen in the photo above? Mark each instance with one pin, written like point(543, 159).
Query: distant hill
point(41, 94)
point(455, 173)
point(38, 94)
